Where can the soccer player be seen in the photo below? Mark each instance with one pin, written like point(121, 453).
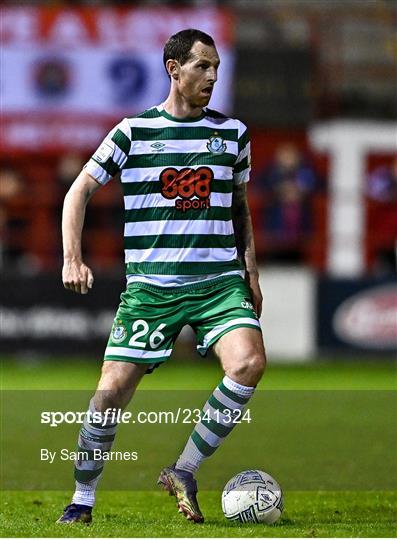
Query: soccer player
point(189, 259)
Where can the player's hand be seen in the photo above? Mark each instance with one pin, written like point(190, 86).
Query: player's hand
point(76, 276)
point(257, 299)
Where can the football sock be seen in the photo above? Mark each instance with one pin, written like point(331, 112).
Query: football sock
point(216, 424)
point(94, 435)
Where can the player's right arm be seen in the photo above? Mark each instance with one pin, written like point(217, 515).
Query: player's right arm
point(76, 276)
point(107, 161)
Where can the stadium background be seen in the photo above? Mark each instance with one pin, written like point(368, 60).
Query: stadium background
point(308, 82)
point(315, 82)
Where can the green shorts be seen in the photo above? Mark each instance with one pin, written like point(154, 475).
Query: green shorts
point(150, 318)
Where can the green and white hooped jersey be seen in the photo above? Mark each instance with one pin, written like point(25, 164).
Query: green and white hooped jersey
point(177, 176)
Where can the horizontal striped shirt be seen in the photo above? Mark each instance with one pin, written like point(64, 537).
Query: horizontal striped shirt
point(177, 177)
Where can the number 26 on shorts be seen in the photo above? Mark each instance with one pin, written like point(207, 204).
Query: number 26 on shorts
point(140, 328)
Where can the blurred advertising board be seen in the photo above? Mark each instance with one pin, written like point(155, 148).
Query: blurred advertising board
point(288, 317)
point(68, 74)
point(38, 314)
point(357, 314)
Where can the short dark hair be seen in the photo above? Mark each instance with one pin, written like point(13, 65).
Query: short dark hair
point(179, 45)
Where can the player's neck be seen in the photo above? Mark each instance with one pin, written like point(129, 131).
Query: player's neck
point(177, 107)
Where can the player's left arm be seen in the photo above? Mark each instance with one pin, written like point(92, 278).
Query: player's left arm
point(243, 233)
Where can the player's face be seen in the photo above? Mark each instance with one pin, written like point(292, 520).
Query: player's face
point(198, 75)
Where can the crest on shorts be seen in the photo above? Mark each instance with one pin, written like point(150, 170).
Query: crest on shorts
point(216, 145)
point(119, 332)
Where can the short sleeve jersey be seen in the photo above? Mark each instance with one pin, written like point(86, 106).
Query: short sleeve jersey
point(177, 177)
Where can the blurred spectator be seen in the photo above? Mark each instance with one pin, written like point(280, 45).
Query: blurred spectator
point(69, 168)
point(287, 185)
point(12, 216)
point(381, 190)
point(382, 183)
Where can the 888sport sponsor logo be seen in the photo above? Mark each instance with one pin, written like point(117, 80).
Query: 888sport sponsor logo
point(190, 187)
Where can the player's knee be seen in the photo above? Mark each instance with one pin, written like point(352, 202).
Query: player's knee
point(255, 366)
point(114, 398)
point(113, 390)
point(249, 370)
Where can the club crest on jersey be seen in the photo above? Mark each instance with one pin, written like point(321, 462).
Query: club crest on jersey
point(216, 145)
point(119, 332)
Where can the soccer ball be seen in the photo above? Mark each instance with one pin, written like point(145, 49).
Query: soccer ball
point(252, 497)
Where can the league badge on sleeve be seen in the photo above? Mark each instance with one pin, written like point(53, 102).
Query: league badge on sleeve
point(216, 145)
point(104, 152)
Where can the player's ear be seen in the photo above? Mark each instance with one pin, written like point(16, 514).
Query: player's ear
point(173, 69)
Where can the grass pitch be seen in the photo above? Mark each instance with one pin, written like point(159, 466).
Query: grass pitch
point(121, 514)
point(356, 419)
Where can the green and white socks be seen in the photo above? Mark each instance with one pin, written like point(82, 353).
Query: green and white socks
point(217, 422)
point(228, 399)
point(87, 472)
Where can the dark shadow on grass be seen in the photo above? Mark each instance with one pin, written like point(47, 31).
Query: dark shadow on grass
point(285, 521)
